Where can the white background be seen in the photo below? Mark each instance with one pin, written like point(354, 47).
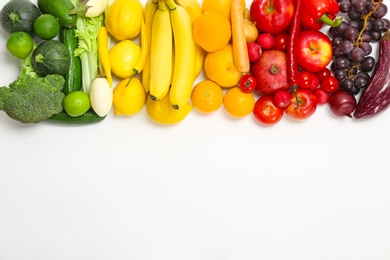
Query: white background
point(211, 187)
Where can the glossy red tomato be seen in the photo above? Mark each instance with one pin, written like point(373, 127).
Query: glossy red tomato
point(305, 79)
point(303, 105)
point(281, 41)
point(323, 73)
point(247, 83)
point(330, 84)
point(266, 112)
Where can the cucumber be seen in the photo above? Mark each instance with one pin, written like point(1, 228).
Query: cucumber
point(61, 10)
point(88, 118)
point(73, 78)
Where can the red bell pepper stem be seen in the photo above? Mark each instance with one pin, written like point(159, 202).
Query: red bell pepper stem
point(333, 23)
point(292, 55)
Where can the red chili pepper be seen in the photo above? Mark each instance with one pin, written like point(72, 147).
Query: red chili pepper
point(319, 12)
point(292, 55)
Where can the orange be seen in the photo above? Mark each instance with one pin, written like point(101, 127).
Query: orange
point(207, 96)
point(212, 31)
point(219, 67)
point(238, 103)
point(219, 6)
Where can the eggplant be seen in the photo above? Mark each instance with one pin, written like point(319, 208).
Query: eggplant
point(375, 99)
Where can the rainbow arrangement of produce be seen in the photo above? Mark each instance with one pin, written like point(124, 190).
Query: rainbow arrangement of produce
point(83, 59)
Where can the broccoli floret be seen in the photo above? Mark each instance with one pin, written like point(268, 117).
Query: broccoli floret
point(32, 100)
point(26, 67)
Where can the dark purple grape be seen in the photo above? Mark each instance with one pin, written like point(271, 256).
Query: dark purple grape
point(347, 84)
point(375, 36)
point(346, 47)
point(366, 47)
point(351, 33)
point(366, 37)
point(345, 6)
point(342, 62)
point(360, 82)
point(363, 74)
point(353, 15)
point(359, 5)
point(336, 52)
point(336, 41)
point(368, 64)
point(357, 55)
point(378, 24)
point(380, 12)
point(340, 74)
point(387, 24)
point(354, 23)
point(368, 25)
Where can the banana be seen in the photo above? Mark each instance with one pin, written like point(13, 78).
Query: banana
point(150, 8)
point(184, 69)
point(194, 9)
point(161, 53)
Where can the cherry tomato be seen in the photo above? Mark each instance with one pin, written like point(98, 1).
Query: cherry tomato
point(247, 83)
point(305, 79)
point(323, 73)
point(281, 41)
point(266, 112)
point(330, 84)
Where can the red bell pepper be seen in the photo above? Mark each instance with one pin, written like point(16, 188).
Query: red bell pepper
point(318, 12)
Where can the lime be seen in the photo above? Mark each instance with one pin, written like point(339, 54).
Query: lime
point(76, 103)
point(20, 44)
point(46, 27)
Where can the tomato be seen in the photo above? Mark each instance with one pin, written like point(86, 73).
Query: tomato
point(281, 41)
point(330, 84)
point(305, 79)
point(266, 112)
point(323, 73)
point(247, 83)
point(303, 105)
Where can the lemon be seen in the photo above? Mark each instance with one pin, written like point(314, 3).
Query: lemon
point(123, 56)
point(129, 97)
point(20, 44)
point(76, 103)
point(162, 111)
point(46, 27)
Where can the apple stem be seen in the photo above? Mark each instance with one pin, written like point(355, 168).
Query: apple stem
point(294, 90)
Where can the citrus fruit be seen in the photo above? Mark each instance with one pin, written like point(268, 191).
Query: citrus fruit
point(129, 97)
point(46, 27)
point(20, 44)
point(76, 103)
point(238, 103)
point(207, 96)
point(219, 6)
point(162, 111)
point(123, 57)
point(219, 67)
point(212, 31)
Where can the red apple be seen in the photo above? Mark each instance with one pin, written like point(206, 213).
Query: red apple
point(303, 104)
point(270, 72)
point(272, 16)
point(314, 50)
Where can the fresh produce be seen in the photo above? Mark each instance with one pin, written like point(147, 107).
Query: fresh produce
point(318, 12)
point(270, 72)
point(20, 44)
point(123, 19)
point(129, 97)
point(90, 8)
point(239, 44)
point(266, 41)
point(237, 103)
point(32, 99)
point(76, 103)
point(207, 96)
point(123, 57)
point(254, 51)
point(104, 57)
point(247, 83)
point(46, 27)
point(59, 9)
point(292, 45)
point(314, 50)
point(19, 15)
point(375, 99)
point(281, 98)
point(342, 103)
point(51, 57)
point(266, 112)
point(73, 77)
point(144, 54)
point(303, 104)
point(101, 95)
point(272, 16)
point(90, 117)
point(161, 66)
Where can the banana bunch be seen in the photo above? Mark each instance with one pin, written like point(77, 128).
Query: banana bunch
point(175, 59)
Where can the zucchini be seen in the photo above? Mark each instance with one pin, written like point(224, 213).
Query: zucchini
point(73, 78)
point(51, 57)
point(59, 9)
point(87, 118)
point(19, 15)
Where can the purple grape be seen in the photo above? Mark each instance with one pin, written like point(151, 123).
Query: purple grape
point(351, 33)
point(340, 74)
point(346, 47)
point(378, 24)
point(357, 55)
point(342, 62)
point(366, 47)
point(359, 5)
point(368, 64)
point(345, 6)
point(360, 82)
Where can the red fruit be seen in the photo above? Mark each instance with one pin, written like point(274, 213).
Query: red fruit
point(247, 83)
point(330, 84)
point(305, 79)
point(281, 98)
point(270, 72)
point(303, 104)
point(323, 73)
point(322, 96)
point(281, 41)
point(254, 51)
point(315, 83)
point(266, 41)
point(266, 112)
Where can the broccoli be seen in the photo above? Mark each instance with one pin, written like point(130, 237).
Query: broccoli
point(26, 67)
point(32, 99)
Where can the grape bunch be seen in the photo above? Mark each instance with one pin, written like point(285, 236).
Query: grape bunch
point(363, 25)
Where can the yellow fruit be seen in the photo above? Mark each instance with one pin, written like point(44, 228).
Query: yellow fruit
point(219, 67)
point(212, 31)
point(238, 103)
point(207, 96)
point(123, 56)
point(251, 32)
point(161, 111)
point(123, 19)
point(129, 97)
point(219, 6)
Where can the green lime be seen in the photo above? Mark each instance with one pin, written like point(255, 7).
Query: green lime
point(46, 27)
point(76, 103)
point(20, 44)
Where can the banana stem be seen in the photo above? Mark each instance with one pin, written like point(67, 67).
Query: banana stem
point(171, 4)
point(161, 5)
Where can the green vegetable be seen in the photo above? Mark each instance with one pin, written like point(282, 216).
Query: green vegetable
point(19, 15)
point(59, 9)
point(26, 67)
point(87, 118)
point(51, 57)
point(33, 99)
point(87, 29)
point(73, 76)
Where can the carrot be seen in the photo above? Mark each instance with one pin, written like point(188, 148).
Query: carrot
point(240, 50)
point(292, 55)
point(103, 53)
